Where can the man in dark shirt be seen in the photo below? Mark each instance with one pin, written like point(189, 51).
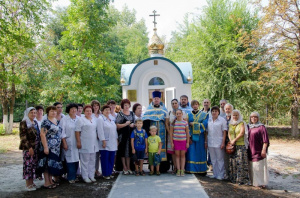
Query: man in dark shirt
point(228, 110)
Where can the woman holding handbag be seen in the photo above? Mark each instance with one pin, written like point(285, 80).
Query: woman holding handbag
point(238, 136)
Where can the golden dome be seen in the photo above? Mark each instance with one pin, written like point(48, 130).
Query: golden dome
point(156, 46)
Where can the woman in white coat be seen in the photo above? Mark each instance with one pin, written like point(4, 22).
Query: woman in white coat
point(217, 128)
point(87, 143)
point(68, 124)
point(108, 142)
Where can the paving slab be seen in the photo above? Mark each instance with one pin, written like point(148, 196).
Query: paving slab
point(165, 185)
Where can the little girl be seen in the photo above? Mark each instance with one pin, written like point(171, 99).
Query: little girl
point(178, 134)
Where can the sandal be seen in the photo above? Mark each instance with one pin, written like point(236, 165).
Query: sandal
point(174, 171)
point(142, 173)
point(137, 173)
point(52, 186)
point(98, 174)
point(151, 173)
point(178, 173)
point(125, 172)
point(56, 183)
point(130, 172)
point(30, 188)
point(182, 173)
point(158, 173)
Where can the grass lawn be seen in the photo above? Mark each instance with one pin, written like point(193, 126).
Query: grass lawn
point(9, 143)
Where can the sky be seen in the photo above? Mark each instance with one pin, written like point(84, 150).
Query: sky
point(171, 12)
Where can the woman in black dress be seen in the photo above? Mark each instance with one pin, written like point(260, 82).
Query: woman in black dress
point(125, 125)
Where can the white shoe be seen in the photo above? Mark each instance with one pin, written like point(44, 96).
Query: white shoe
point(30, 188)
point(130, 172)
point(87, 180)
point(93, 179)
point(210, 176)
point(106, 177)
point(112, 176)
point(72, 181)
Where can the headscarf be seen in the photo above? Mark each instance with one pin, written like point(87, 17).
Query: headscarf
point(240, 119)
point(258, 123)
point(26, 118)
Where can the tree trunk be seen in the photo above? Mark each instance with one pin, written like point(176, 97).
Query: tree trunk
point(295, 105)
point(295, 119)
point(11, 107)
point(5, 116)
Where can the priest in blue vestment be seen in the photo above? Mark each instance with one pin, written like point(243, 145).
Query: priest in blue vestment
point(156, 115)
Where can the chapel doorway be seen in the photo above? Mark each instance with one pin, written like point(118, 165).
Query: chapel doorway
point(170, 94)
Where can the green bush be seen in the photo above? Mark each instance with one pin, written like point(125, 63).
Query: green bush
point(2, 131)
point(15, 131)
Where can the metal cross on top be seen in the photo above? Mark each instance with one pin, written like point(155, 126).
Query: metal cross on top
point(154, 15)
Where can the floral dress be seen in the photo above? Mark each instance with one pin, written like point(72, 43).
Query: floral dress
point(238, 162)
point(29, 138)
point(51, 162)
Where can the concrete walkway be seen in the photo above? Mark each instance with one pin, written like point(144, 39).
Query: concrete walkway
point(165, 185)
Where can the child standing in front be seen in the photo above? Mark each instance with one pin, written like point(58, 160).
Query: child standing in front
point(179, 131)
point(154, 145)
point(139, 146)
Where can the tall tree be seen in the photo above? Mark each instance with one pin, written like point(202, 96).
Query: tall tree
point(85, 49)
point(131, 35)
point(279, 33)
point(78, 54)
point(212, 43)
point(21, 21)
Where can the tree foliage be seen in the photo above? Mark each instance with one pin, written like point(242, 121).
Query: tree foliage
point(20, 22)
point(212, 43)
point(80, 55)
point(279, 33)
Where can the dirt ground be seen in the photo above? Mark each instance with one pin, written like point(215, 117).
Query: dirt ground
point(283, 163)
point(284, 167)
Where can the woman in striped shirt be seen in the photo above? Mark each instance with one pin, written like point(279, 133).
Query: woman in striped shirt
point(179, 132)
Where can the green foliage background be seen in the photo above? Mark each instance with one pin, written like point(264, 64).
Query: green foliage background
point(75, 54)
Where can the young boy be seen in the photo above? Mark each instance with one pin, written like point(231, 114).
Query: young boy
point(154, 146)
point(139, 146)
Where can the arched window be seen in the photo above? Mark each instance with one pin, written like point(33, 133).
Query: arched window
point(156, 81)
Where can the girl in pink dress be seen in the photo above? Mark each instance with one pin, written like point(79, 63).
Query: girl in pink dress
point(179, 132)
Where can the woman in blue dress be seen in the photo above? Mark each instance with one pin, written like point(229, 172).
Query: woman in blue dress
point(49, 161)
point(196, 154)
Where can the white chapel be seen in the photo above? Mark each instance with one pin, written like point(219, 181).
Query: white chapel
point(172, 79)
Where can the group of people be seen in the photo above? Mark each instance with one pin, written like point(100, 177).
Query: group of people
point(75, 144)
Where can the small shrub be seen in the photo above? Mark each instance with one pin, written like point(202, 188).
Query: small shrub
point(15, 131)
point(2, 131)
